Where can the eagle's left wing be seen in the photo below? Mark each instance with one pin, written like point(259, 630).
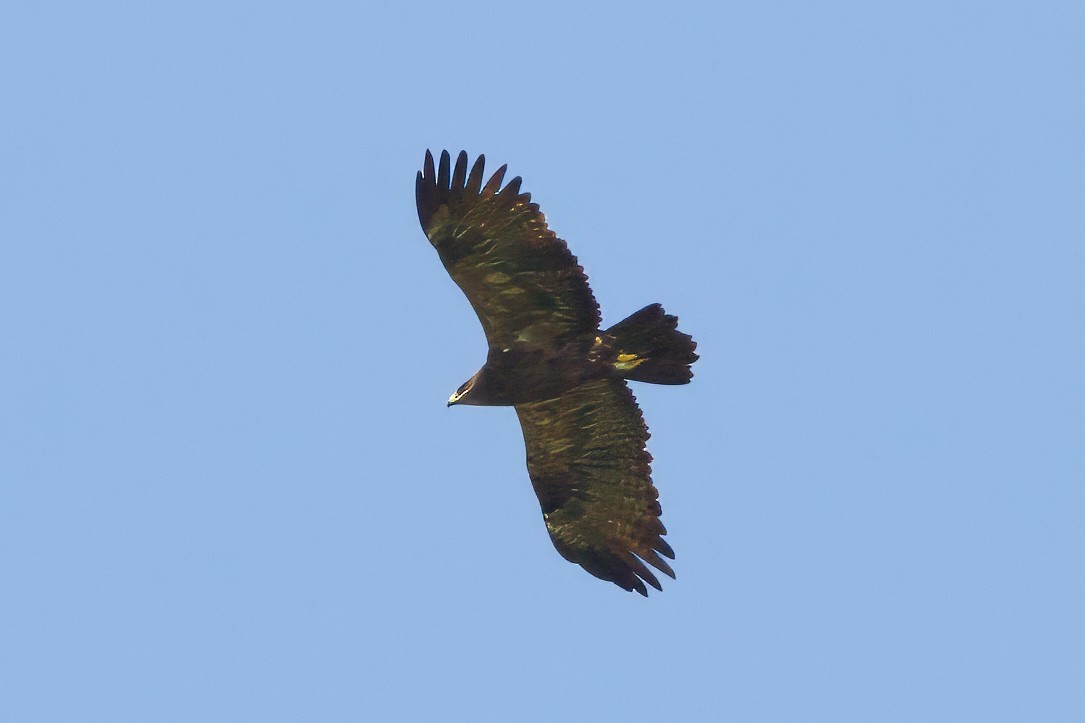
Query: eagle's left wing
point(521, 279)
point(592, 475)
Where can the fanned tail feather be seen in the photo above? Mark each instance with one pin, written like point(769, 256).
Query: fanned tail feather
point(651, 349)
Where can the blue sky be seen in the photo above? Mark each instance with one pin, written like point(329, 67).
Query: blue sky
point(229, 485)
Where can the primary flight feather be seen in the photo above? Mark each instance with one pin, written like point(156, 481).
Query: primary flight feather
point(547, 357)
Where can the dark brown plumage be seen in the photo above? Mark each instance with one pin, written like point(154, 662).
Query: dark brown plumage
point(548, 358)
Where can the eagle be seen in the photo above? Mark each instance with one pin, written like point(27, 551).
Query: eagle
point(567, 378)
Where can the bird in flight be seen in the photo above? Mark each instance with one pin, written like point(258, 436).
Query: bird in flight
point(566, 377)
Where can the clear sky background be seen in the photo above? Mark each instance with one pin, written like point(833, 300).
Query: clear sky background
point(229, 485)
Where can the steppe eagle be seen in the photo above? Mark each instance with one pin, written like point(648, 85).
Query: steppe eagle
point(548, 358)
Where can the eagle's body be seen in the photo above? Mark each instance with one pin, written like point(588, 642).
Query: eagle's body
point(526, 372)
point(549, 359)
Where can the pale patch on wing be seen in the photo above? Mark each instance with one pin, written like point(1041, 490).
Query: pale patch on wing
point(629, 361)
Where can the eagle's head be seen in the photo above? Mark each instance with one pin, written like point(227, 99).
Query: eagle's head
point(463, 394)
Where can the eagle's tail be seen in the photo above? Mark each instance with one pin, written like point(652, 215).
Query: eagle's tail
point(651, 349)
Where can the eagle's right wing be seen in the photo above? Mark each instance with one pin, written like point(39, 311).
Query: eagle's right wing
point(592, 475)
point(520, 278)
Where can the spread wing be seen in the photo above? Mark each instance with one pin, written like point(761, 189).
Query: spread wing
point(520, 278)
point(592, 475)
